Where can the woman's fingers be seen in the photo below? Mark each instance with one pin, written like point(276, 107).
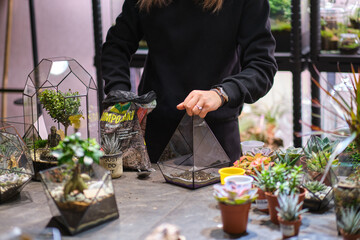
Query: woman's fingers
point(200, 103)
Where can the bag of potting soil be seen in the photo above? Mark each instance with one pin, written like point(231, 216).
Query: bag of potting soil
point(125, 116)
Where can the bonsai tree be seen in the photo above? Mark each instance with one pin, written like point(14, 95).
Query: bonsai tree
point(75, 152)
point(61, 106)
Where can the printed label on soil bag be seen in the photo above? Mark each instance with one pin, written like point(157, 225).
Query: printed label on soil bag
point(261, 204)
point(287, 230)
point(122, 119)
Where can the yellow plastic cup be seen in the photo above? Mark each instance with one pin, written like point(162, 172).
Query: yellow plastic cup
point(230, 171)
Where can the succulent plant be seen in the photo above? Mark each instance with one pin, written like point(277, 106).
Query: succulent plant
point(350, 220)
point(250, 163)
point(110, 145)
point(230, 194)
point(289, 209)
point(315, 186)
point(288, 157)
point(317, 144)
point(268, 152)
point(318, 161)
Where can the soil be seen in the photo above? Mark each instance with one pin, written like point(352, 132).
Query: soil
point(199, 175)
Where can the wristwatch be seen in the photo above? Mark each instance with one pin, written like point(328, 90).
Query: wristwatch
point(222, 94)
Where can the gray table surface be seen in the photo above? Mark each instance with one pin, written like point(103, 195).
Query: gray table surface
point(145, 204)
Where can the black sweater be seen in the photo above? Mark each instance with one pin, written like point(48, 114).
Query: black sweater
point(190, 48)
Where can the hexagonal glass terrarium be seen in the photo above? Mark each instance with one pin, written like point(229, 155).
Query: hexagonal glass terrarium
point(16, 167)
point(193, 155)
point(80, 211)
point(60, 98)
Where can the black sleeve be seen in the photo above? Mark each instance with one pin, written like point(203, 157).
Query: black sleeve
point(121, 43)
point(258, 64)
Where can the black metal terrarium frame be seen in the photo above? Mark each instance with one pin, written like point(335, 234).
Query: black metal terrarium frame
point(59, 92)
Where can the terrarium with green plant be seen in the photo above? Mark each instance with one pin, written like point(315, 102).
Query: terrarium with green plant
point(317, 196)
point(16, 167)
point(345, 177)
point(79, 188)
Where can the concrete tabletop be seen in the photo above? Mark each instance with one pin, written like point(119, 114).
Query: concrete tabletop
point(145, 204)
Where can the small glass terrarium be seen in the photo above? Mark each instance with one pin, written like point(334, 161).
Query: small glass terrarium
point(16, 167)
point(60, 98)
point(193, 155)
point(316, 155)
point(78, 211)
point(346, 187)
point(280, 18)
point(317, 196)
point(333, 23)
point(349, 43)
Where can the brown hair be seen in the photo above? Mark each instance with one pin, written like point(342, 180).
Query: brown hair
point(214, 5)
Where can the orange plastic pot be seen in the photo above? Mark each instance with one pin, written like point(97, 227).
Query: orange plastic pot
point(261, 202)
point(347, 236)
point(273, 203)
point(234, 217)
point(289, 228)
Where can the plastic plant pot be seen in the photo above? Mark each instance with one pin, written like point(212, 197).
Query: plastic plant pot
point(241, 181)
point(229, 171)
point(248, 146)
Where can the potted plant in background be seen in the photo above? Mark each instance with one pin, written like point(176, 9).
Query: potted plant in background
point(350, 223)
point(280, 179)
point(258, 159)
point(289, 214)
point(234, 204)
point(111, 160)
point(80, 192)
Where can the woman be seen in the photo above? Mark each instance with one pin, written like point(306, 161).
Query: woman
point(207, 57)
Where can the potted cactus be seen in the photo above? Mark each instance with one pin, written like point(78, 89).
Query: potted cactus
point(350, 223)
point(289, 214)
point(80, 192)
point(234, 204)
point(111, 160)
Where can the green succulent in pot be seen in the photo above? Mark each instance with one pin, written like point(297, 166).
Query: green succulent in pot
point(350, 222)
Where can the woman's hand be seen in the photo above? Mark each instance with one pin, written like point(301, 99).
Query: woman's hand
point(200, 103)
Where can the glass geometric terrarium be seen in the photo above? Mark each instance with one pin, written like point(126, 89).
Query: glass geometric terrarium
point(316, 155)
point(317, 196)
point(80, 211)
point(60, 98)
point(193, 155)
point(16, 167)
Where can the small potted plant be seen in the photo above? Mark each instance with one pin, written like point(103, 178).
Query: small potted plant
point(289, 214)
point(291, 155)
point(234, 204)
point(79, 190)
point(350, 223)
point(277, 180)
point(111, 160)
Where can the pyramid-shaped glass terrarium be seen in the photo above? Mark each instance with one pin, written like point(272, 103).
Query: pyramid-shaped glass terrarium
point(60, 98)
point(80, 211)
point(16, 167)
point(193, 155)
